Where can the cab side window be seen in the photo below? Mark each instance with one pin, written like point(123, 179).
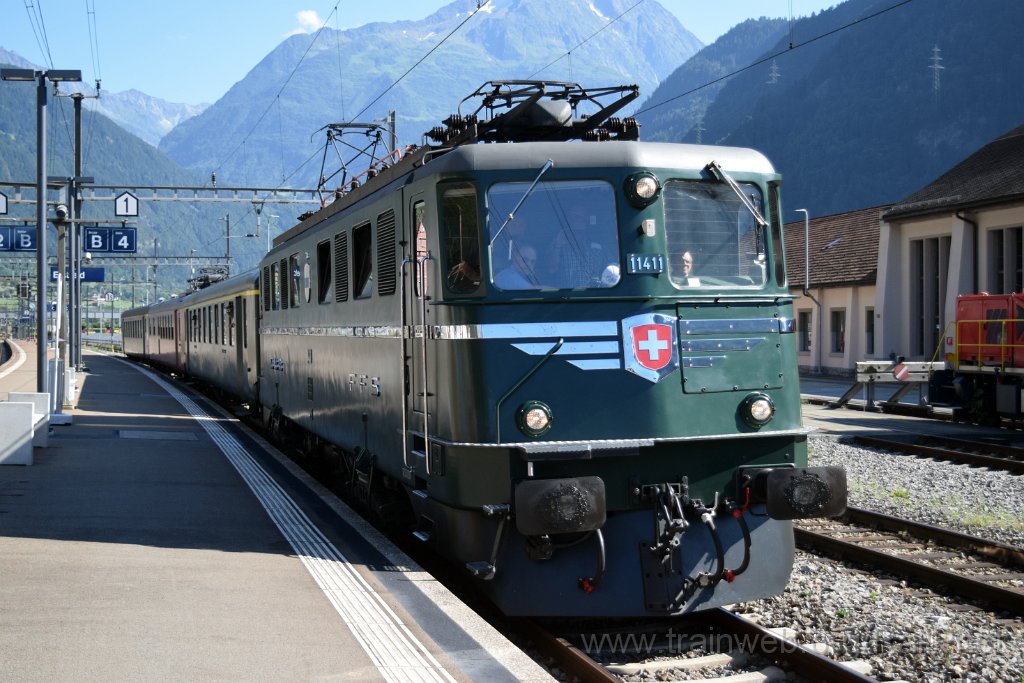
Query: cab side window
point(461, 224)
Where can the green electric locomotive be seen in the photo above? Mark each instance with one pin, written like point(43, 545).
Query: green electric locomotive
point(564, 356)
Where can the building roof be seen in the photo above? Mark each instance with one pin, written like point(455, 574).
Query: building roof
point(844, 249)
point(992, 175)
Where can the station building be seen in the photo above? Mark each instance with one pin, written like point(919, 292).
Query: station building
point(884, 280)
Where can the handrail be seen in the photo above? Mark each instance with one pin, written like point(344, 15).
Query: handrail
point(982, 342)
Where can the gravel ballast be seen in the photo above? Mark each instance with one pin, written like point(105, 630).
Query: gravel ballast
point(907, 632)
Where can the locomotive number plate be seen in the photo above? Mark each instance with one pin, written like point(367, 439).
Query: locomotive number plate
point(645, 263)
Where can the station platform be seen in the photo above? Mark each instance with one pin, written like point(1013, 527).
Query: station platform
point(155, 538)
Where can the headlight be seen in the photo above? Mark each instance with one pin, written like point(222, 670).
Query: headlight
point(642, 189)
point(533, 418)
point(757, 410)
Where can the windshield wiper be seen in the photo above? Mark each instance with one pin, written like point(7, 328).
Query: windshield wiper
point(512, 214)
point(714, 169)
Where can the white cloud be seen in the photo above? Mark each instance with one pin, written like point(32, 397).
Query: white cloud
point(309, 22)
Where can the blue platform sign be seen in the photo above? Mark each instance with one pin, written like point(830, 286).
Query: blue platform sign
point(91, 275)
point(122, 240)
point(96, 239)
point(17, 238)
point(116, 240)
point(84, 275)
point(23, 238)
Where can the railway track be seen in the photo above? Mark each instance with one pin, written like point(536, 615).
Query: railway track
point(680, 647)
point(976, 453)
point(985, 571)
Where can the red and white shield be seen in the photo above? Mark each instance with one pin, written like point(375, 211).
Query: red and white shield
point(650, 345)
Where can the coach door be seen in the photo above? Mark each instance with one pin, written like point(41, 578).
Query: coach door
point(419, 273)
point(179, 338)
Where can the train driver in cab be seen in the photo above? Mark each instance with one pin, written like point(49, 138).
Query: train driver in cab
point(688, 274)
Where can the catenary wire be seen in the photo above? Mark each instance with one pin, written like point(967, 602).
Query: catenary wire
point(480, 5)
point(585, 40)
point(472, 14)
point(94, 38)
point(768, 58)
point(280, 90)
point(35, 20)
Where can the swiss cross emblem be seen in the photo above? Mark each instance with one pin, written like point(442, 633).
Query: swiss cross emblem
point(650, 343)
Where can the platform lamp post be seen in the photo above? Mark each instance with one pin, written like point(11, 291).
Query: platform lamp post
point(816, 345)
point(54, 75)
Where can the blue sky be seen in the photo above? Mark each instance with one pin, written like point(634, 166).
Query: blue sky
point(214, 43)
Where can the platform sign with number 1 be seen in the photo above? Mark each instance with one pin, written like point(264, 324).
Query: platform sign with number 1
point(126, 204)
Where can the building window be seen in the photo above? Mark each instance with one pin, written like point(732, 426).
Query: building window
point(803, 325)
point(1005, 261)
point(869, 332)
point(838, 331)
point(929, 270)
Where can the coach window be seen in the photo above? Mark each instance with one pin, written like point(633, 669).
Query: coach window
point(295, 273)
point(229, 311)
point(362, 261)
point(711, 222)
point(461, 238)
point(323, 272)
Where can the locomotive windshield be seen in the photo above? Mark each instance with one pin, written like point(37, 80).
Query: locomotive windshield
point(563, 235)
point(713, 237)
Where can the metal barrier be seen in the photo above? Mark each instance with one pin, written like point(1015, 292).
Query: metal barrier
point(908, 374)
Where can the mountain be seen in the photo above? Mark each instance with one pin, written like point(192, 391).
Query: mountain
point(260, 131)
point(14, 59)
point(115, 157)
point(859, 117)
point(145, 116)
point(678, 122)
